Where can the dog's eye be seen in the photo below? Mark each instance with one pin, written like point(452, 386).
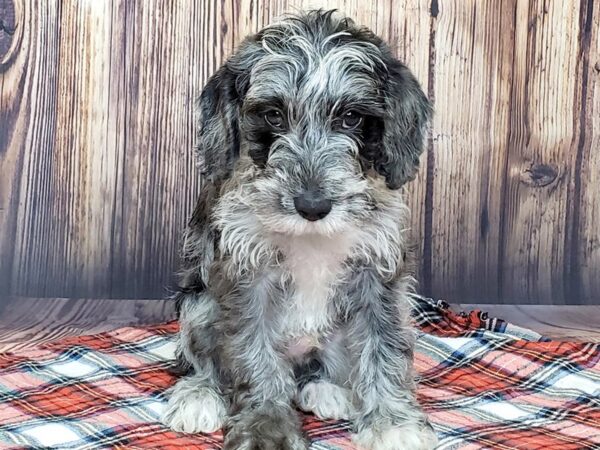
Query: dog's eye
point(274, 118)
point(351, 120)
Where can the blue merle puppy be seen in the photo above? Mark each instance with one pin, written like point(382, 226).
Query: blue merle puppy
point(296, 278)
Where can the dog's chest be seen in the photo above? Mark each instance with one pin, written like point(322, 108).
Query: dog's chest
point(314, 264)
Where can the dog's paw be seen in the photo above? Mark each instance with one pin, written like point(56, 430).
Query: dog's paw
point(198, 410)
point(400, 437)
point(326, 400)
point(257, 440)
point(272, 427)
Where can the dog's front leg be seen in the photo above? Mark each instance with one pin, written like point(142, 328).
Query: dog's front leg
point(261, 415)
point(381, 339)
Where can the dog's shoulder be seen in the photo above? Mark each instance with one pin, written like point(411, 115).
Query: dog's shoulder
point(199, 239)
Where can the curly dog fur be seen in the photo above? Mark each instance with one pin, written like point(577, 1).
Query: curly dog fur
point(297, 267)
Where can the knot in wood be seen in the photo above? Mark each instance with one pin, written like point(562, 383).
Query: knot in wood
point(7, 26)
point(539, 175)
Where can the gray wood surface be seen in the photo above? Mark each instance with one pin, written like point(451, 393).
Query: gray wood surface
point(25, 322)
point(96, 171)
point(28, 321)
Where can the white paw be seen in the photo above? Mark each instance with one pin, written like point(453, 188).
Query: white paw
point(326, 400)
point(198, 410)
point(404, 437)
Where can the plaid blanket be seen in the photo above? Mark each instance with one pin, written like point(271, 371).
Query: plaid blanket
point(484, 383)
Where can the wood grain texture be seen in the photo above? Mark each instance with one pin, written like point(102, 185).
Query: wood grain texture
point(99, 100)
point(26, 321)
point(584, 264)
point(542, 144)
point(96, 113)
point(472, 59)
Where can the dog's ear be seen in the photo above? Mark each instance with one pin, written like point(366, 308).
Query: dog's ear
point(406, 117)
point(218, 115)
point(217, 137)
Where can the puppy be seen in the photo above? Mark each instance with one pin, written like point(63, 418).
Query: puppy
point(295, 285)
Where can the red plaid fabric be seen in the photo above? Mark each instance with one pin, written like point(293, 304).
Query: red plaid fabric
point(484, 383)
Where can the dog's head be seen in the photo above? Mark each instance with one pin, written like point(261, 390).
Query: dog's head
point(323, 109)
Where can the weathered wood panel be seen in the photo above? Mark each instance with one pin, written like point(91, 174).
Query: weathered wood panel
point(27, 322)
point(472, 56)
point(96, 111)
point(100, 174)
point(584, 262)
point(542, 146)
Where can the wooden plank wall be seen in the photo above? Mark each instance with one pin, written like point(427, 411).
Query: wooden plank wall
point(96, 170)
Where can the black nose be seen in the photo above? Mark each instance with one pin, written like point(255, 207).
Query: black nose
point(312, 206)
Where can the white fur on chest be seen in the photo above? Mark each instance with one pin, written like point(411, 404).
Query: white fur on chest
point(314, 264)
